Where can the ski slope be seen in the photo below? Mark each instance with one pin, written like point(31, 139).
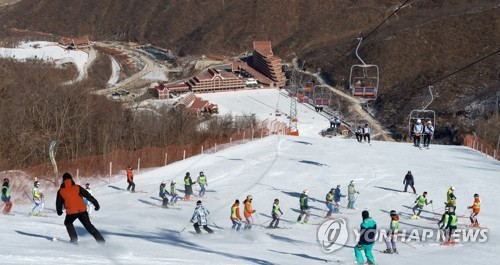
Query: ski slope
point(139, 232)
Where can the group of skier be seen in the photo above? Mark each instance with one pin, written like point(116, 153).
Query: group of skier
point(418, 130)
point(362, 133)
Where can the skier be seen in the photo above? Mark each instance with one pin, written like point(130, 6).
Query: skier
point(202, 181)
point(130, 179)
point(87, 202)
point(332, 122)
point(37, 200)
point(351, 197)
point(200, 218)
point(337, 196)
point(359, 135)
point(451, 200)
point(450, 223)
point(173, 193)
point(329, 203)
point(304, 207)
point(476, 207)
point(421, 201)
point(276, 214)
point(71, 197)
point(366, 132)
point(163, 194)
point(235, 215)
point(188, 186)
point(6, 196)
point(418, 130)
point(428, 132)
point(409, 181)
point(248, 211)
point(366, 239)
point(392, 234)
point(337, 124)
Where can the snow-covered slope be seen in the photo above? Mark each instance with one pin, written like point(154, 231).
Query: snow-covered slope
point(139, 232)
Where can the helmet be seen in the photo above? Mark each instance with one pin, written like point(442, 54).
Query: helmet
point(338, 186)
point(476, 195)
point(306, 191)
point(392, 213)
point(187, 174)
point(201, 173)
point(173, 182)
point(419, 121)
point(352, 182)
point(6, 180)
point(163, 183)
point(249, 197)
point(36, 183)
point(87, 185)
point(198, 202)
point(276, 200)
point(452, 188)
point(429, 122)
point(425, 192)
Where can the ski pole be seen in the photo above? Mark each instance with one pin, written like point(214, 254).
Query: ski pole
point(185, 227)
point(260, 224)
point(215, 224)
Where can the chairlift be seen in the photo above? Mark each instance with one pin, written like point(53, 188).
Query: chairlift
point(321, 96)
point(423, 114)
point(364, 78)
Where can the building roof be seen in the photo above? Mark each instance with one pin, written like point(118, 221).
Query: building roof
point(65, 41)
point(212, 72)
point(262, 45)
point(199, 103)
point(81, 41)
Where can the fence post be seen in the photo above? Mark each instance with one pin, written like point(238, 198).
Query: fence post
point(261, 132)
point(244, 134)
point(110, 171)
point(230, 141)
point(495, 154)
point(215, 147)
point(78, 176)
point(166, 157)
point(184, 155)
point(252, 133)
point(139, 165)
point(202, 149)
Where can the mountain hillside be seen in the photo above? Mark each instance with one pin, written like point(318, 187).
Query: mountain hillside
point(422, 42)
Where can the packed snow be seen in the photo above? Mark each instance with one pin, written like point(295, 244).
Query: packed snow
point(264, 103)
point(47, 51)
point(155, 75)
point(115, 72)
point(138, 231)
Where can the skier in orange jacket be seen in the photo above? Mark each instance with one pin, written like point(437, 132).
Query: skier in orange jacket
point(476, 207)
point(248, 211)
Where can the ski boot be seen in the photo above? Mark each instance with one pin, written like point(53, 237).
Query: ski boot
point(387, 251)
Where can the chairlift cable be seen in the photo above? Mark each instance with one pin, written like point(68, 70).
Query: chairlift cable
point(373, 30)
point(459, 70)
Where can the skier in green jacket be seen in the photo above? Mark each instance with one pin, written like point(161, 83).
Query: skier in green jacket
point(421, 201)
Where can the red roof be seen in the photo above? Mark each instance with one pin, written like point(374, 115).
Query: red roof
point(81, 41)
point(65, 41)
point(199, 103)
point(262, 45)
point(160, 87)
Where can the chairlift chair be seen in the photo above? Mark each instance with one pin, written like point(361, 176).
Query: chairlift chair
point(321, 96)
point(423, 114)
point(364, 78)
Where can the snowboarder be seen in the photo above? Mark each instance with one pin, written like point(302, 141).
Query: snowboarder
point(428, 132)
point(359, 135)
point(37, 199)
point(418, 130)
point(351, 197)
point(173, 193)
point(450, 223)
point(366, 239)
point(329, 203)
point(336, 198)
point(304, 207)
point(188, 186)
point(476, 207)
point(276, 214)
point(163, 194)
point(392, 234)
point(421, 201)
point(366, 132)
point(130, 179)
point(200, 217)
point(6, 196)
point(87, 202)
point(451, 200)
point(235, 215)
point(202, 181)
point(71, 197)
point(248, 212)
point(409, 181)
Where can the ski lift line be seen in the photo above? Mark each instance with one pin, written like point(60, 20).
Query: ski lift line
point(461, 69)
point(432, 98)
point(373, 30)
